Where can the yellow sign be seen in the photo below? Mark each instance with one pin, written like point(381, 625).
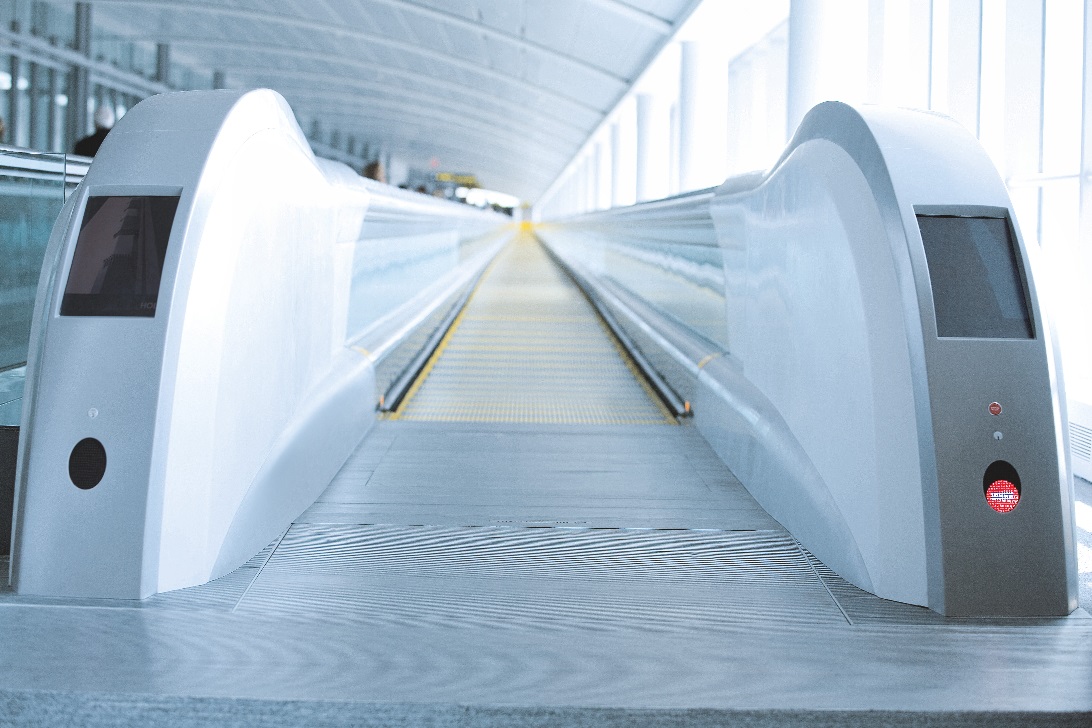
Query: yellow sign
point(463, 180)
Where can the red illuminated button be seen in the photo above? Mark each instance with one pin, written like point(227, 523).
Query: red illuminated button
point(995, 408)
point(1002, 495)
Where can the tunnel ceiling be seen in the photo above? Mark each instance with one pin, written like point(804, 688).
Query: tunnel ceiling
point(508, 90)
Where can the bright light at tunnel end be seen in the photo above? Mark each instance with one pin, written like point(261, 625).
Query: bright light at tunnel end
point(1002, 495)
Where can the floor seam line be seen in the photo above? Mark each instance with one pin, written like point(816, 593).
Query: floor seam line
point(822, 581)
point(261, 568)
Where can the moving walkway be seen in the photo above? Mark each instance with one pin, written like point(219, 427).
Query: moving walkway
point(713, 474)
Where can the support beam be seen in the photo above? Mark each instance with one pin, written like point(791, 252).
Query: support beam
point(17, 113)
point(56, 114)
point(36, 124)
point(79, 122)
point(162, 62)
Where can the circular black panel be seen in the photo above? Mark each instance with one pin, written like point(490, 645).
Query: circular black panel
point(87, 463)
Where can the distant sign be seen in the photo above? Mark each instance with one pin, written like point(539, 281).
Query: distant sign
point(463, 180)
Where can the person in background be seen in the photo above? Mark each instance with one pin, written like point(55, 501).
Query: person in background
point(374, 170)
point(2, 130)
point(104, 121)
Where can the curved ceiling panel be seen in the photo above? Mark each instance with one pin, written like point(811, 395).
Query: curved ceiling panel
point(506, 89)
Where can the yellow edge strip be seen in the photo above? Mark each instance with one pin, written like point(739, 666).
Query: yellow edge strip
point(707, 359)
point(439, 350)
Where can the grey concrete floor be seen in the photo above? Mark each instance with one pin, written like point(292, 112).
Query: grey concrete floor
point(483, 593)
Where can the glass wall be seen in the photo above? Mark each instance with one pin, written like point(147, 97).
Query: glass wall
point(1016, 73)
point(32, 190)
point(58, 67)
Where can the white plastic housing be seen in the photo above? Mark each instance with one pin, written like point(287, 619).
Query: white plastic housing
point(224, 414)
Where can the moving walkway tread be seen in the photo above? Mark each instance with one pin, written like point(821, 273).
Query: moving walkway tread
point(529, 348)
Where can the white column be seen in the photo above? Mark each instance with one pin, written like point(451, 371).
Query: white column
point(643, 146)
point(627, 160)
point(964, 53)
point(1024, 105)
point(1082, 296)
point(805, 44)
point(672, 177)
point(876, 26)
point(992, 82)
point(590, 182)
point(581, 193)
point(581, 188)
point(905, 53)
point(651, 150)
point(776, 71)
point(828, 54)
point(593, 179)
point(702, 115)
point(759, 137)
point(1086, 145)
point(604, 174)
point(689, 113)
point(737, 111)
point(616, 183)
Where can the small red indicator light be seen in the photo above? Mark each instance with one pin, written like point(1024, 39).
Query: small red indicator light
point(995, 408)
point(1002, 495)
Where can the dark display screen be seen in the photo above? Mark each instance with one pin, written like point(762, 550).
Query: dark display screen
point(119, 256)
point(978, 286)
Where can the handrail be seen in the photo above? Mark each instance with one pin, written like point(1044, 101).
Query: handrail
point(34, 164)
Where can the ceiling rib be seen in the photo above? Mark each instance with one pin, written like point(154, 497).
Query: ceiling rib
point(645, 18)
point(418, 104)
point(503, 148)
point(384, 68)
point(474, 91)
point(303, 22)
point(401, 123)
point(391, 85)
point(516, 138)
point(488, 168)
point(478, 28)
